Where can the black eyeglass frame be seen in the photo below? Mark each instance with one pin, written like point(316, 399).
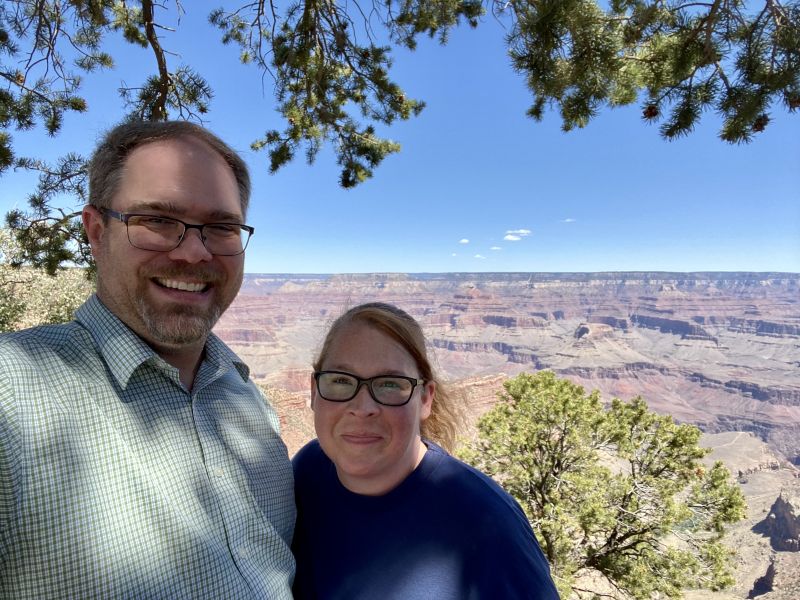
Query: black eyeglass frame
point(368, 382)
point(125, 217)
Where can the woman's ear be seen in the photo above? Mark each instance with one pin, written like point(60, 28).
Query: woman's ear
point(426, 400)
point(313, 383)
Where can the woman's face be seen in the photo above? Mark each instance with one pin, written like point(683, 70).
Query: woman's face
point(374, 447)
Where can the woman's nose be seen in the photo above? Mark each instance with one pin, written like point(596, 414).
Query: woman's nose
point(362, 402)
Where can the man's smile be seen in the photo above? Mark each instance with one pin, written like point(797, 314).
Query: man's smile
point(184, 286)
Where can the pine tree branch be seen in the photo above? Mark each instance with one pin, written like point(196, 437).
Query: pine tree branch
point(159, 107)
point(594, 593)
point(778, 12)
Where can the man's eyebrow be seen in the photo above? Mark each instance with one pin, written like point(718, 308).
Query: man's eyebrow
point(171, 209)
point(225, 216)
point(152, 205)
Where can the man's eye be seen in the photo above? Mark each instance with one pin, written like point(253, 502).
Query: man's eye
point(155, 222)
point(344, 381)
point(223, 229)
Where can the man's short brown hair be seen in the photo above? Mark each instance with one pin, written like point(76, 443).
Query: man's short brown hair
point(108, 160)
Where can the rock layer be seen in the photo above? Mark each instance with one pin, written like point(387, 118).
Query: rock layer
point(721, 350)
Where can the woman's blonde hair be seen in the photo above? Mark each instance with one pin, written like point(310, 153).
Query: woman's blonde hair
point(442, 426)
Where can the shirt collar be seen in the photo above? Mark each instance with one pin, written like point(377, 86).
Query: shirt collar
point(218, 353)
point(124, 351)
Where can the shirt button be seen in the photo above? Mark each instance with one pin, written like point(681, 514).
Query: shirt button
point(219, 472)
point(242, 552)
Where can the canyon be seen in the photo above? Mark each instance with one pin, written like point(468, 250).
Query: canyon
point(719, 350)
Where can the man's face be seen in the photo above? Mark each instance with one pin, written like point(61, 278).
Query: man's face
point(170, 299)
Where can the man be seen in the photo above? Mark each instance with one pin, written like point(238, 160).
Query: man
point(137, 460)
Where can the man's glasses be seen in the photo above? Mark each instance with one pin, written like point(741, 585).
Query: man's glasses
point(163, 234)
point(390, 390)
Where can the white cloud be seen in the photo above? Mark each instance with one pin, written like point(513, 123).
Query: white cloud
point(454, 254)
point(519, 232)
point(463, 241)
point(480, 256)
point(568, 220)
point(515, 235)
point(495, 248)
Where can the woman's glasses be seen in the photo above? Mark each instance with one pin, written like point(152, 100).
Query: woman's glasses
point(389, 390)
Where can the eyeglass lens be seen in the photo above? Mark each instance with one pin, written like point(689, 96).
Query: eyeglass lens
point(163, 234)
point(341, 387)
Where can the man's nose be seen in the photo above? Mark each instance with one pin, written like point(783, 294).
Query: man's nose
point(191, 249)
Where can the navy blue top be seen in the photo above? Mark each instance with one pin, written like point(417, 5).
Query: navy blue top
point(447, 532)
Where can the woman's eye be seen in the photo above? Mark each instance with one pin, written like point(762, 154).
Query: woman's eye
point(389, 384)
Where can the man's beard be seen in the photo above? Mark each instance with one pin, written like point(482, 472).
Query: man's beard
point(178, 324)
point(181, 326)
point(157, 319)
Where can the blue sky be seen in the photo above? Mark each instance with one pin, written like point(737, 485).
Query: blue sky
point(478, 186)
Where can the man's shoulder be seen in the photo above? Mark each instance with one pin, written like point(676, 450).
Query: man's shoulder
point(28, 343)
point(37, 360)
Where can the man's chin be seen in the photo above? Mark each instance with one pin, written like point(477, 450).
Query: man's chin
point(179, 338)
point(177, 328)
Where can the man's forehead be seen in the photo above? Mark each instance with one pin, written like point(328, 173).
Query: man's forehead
point(182, 176)
point(182, 144)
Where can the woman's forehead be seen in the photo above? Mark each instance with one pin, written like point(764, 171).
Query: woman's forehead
point(362, 344)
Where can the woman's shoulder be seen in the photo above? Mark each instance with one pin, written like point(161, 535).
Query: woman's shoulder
point(308, 452)
point(460, 480)
point(505, 559)
point(309, 459)
point(449, 470)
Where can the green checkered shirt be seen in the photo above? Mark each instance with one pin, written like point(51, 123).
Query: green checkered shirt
point(116, 482)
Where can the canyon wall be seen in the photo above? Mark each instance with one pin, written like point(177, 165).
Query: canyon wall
point(721, 350)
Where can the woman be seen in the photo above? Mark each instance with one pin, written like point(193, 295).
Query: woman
point(383, 511)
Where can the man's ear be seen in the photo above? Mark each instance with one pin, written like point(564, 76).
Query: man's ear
point(94, 225)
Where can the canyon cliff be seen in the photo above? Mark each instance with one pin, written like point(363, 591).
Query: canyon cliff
point(720, 350)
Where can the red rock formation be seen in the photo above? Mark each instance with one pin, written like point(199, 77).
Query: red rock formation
point(721, 350)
